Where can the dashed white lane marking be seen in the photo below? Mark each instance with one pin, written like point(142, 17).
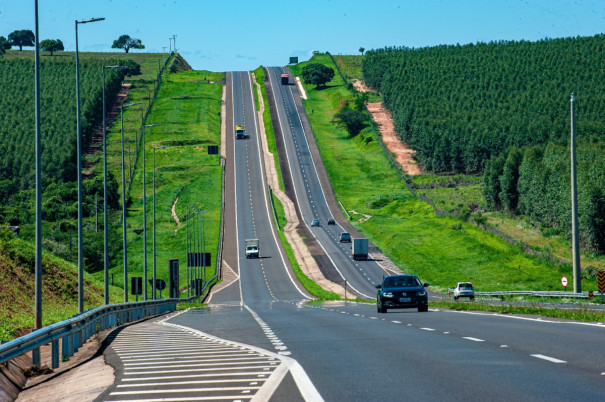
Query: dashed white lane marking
point(548, 358)
point(426, 329)
point(396, 322)
point(470, 338)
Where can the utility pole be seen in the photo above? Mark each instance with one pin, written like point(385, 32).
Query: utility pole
point(170, 44)
point(577, 275)
point(174, 39)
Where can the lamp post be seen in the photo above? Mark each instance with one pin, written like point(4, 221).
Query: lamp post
point(38, 262)
point(79, 167)
point(124, 240)
point(145, 217)
point(154, 284)
point(105, 220)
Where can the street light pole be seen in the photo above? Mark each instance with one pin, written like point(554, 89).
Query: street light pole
point(577, 272)
point(145, 217)
point(38, 279)
point(124, 238)
point(154, 253)
point(105, 220)
point(79, 173)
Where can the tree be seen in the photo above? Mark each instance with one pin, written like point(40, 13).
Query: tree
point(353, 120)
point(23, 37)
point(4, 45)
point(509, 194)
point(317, 74)
point(126, 42)
point(361, 50)
point(51, 45)
point(133, 67)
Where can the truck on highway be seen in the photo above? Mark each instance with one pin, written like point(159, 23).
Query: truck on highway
point(284, 79)
point(252, 248)
point(360, 249)
point(239, 132)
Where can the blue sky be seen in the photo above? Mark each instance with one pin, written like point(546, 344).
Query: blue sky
point(224, 35)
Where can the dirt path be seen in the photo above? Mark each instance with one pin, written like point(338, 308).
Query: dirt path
point(174, 215)
point(403, 154)
point(96, 143)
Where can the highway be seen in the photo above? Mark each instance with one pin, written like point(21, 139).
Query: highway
point(362, 276)
point(260, 336)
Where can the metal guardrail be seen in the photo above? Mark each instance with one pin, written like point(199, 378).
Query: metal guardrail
point(74, 332)
point(537, 293)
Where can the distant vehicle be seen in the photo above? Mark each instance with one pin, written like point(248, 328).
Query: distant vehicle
point(285, 79)
point(345, 237)
point(331, 221)
point(239, 132)
point(360, 249)
point(402, 291)
point(252, 248)
point(315, 222)
point(463, 289)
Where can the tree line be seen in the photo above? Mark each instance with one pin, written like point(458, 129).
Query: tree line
point(25, 37)
point(535, 181)
point(458, 106)
point(58, 136)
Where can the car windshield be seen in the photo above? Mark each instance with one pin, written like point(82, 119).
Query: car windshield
point(401, 281)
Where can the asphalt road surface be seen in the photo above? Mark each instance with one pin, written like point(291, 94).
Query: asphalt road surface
point(262, 338)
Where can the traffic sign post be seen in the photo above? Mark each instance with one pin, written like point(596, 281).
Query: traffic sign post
point(601, 281)
point(564, 282)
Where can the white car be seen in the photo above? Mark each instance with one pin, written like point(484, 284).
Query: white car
point(464, 289)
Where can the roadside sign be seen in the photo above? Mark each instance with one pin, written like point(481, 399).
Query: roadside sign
point(601, 280)
point(564, 281)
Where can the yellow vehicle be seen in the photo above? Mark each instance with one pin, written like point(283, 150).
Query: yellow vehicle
point(239, 132)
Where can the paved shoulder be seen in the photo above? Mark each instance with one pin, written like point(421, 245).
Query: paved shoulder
point(158, 360)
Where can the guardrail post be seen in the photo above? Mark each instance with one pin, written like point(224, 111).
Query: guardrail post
point(65, 347)
point(36, 356)
point(76, 342)
point(54, 353)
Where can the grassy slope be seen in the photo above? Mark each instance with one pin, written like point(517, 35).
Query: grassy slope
point(187, 109)
point(187, 120)
point(453, 198)
point(59, 288)
point(440, 250)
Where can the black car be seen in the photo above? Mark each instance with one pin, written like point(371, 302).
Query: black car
point(402, 291)
point(345, 237)
point(331, 221)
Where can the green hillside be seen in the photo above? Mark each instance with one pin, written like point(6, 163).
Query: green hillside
point(59, 288)
point(458, 106)
point(439, 249)
point(186, 106)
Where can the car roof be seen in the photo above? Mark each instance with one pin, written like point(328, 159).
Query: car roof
point(401, 275)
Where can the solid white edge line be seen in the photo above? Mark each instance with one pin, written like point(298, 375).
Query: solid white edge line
point(511, 316)
point(548, 358)
point(305, 386)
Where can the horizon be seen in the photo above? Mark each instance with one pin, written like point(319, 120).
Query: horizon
point(240, 35)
